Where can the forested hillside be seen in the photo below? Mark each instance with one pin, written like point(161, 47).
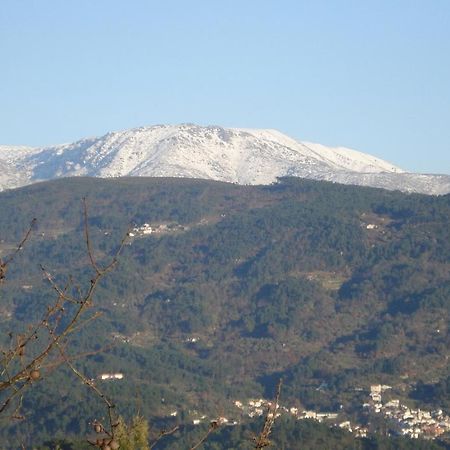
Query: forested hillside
point(228, 288)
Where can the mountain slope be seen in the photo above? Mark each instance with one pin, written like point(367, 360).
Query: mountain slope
point(243, 156)
point(331, 287)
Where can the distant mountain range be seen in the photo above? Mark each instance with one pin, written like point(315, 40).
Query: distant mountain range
point(243, 156)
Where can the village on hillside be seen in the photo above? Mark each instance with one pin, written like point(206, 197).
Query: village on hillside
point(399, 418)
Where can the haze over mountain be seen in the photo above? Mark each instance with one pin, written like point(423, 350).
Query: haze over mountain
point(243, 156)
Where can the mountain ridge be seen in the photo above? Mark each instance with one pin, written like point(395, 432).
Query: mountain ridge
point(236, 155)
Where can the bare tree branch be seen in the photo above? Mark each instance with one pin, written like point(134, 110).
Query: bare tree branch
point(213, 426)
point(10, 258)
point(17, 371)
point(262, 440)
point(163, 434)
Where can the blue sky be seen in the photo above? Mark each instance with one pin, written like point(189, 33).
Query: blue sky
point(373, 75)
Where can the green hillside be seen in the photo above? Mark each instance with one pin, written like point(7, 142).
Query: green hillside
point(330, 287)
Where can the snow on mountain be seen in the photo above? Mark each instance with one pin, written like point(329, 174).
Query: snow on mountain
point(10, 174)
point(12, 153)
point(340, 158)
point(244, 156)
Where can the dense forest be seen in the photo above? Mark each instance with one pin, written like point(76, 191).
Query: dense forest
point(331, 288)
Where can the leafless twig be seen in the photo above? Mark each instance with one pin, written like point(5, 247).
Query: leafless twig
point(10, 258)
point(213, 426)
point(262, 440)
point(163, 434)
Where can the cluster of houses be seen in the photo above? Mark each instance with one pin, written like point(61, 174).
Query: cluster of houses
point(413, 423)
point(259, 407)
point(165, 228)
point(358, 430)
point(162, 228)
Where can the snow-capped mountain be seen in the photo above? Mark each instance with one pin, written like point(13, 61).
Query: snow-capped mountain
point(244, 156)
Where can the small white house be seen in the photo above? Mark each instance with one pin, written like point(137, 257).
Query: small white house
point(111, 376)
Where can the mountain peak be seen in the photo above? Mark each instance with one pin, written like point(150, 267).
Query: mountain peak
point(238, 155)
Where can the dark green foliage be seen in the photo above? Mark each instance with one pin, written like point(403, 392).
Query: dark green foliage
point(250, 284)
point(433, 393)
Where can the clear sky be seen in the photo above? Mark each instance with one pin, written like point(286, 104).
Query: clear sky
point(373, 75)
